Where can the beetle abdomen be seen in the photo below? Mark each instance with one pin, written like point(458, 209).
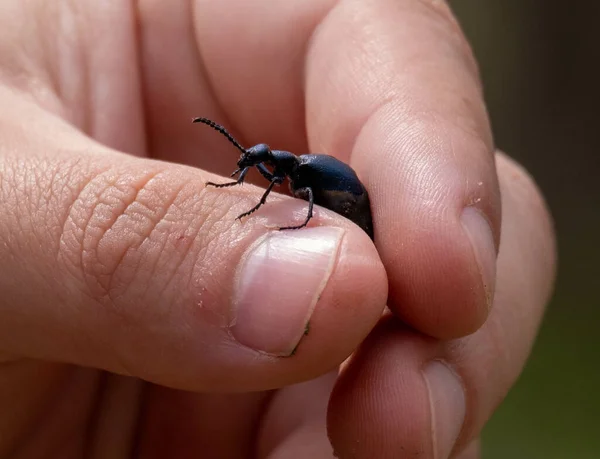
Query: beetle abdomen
point(336, 187)
point(356, 208)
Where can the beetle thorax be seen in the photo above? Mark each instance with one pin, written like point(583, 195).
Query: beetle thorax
point(284, 161)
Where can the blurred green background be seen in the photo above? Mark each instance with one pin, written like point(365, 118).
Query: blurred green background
point(540, 64)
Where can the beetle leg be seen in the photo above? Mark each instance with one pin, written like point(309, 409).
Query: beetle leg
point(308, 191)
point(265, 172)
point(237, 182)
point(275, 181)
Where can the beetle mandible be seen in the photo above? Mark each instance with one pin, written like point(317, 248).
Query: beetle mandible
point(318, 179)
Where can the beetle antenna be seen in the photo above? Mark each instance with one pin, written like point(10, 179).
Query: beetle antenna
point(222, 130)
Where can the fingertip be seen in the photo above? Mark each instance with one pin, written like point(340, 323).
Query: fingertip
point(344, 308)
point(423, 148)
point(397, 397)
point(436, 283)
point(350, 305)
point(279, 284)
point(379, 406)
point(437, 218)
point(519, 186)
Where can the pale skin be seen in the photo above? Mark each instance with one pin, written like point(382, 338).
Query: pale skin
point(114, 264)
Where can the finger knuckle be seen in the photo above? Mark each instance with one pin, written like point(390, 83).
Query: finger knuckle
point(32, 192)
point(129, 232)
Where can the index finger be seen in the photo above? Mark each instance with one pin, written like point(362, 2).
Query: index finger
point(399, 93)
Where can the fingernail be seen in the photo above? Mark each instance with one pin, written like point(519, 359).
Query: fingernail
point(447, 406)
point(482, 241)
point(279, 284)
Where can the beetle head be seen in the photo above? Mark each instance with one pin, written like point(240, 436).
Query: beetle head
point(255, 155)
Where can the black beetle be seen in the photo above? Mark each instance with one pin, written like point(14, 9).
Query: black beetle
point(318, 179)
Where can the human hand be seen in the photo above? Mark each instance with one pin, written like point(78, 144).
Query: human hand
point(115, 264)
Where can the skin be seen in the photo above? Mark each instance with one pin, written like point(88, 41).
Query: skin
point(118, 270)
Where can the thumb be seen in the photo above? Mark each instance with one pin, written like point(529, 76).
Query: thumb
point(134, 266)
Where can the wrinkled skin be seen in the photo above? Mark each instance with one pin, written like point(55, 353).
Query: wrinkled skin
point(120, 330)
